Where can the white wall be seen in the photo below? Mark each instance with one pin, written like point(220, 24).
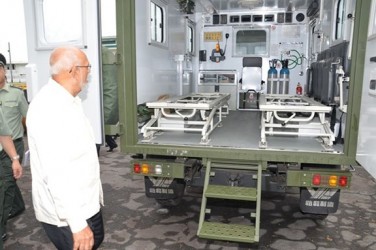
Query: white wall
point(282, 38)
point(13, 31)
point(38, 62)
point(108, 16)
point(327, 23)
point(156, 68)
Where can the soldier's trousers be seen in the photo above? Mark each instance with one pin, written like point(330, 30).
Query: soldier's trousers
point(13, 201)
point(2, 230)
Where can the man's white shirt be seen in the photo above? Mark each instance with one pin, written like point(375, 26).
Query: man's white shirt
point(66, 186)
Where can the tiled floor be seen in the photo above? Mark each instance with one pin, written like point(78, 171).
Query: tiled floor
point(133, 221)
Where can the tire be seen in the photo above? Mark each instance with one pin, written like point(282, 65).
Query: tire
point(170, 202)
point(170, 199)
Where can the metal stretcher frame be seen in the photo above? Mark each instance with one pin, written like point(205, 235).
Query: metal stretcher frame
point(174, 114)
point(272, 106)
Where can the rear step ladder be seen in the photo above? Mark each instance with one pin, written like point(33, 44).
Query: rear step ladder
point(225, 231)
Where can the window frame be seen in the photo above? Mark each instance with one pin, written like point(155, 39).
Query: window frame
point(312, 48)
point(163, 6)
point(372, 23)
point(235, 30)
point(42, 43)
point(190, 41)
point(339, 25)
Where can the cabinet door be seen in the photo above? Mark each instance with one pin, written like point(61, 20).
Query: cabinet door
point(53, 23)
point(367, 130)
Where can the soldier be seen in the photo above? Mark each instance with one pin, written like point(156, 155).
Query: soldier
point(14, 107)
point(110, 92)
point(7, 143)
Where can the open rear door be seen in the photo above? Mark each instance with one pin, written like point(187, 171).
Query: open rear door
point(366, 154)
point(54, 23)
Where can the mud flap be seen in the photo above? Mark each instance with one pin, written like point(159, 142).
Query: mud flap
point(164, 188)
point(319, 200)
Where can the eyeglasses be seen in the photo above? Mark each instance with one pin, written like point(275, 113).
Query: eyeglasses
point(87, 66)
point(82, 66)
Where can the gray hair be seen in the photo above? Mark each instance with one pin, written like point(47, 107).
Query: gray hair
point(63, 58)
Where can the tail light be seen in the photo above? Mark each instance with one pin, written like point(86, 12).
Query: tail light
point(316, 179)
point(158, 169)
point(145, 168)
point(137, 168)
point(333, 180)
point(342, 181)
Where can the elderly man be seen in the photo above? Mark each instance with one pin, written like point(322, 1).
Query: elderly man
point(14, 106)
point(66, 187)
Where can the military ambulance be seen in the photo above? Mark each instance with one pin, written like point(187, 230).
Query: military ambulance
point(233, 97)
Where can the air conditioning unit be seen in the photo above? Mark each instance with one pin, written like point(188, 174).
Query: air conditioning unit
point(249, 3)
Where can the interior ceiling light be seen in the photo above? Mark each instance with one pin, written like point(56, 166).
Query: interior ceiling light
point(249, 3)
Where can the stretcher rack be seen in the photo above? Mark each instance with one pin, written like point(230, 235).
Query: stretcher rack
point(196, 112)
point(280, 116)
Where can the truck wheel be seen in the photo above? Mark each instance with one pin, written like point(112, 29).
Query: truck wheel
point(169, 202)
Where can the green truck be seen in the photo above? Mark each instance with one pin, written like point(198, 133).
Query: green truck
point(233, 98)
point(238, 97)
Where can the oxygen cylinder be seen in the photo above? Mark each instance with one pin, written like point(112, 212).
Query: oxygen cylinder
point(272, 81)
point(284, 78)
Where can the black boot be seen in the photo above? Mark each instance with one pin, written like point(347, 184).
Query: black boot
point(111, 143)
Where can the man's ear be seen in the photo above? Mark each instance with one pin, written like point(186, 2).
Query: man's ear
point(73, 71)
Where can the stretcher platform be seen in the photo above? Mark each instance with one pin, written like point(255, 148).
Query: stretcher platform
point(289, 115)
point(282, 123)
point(197, 112)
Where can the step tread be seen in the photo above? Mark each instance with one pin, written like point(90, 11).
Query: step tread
point(232, 193)
point(229, 232)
